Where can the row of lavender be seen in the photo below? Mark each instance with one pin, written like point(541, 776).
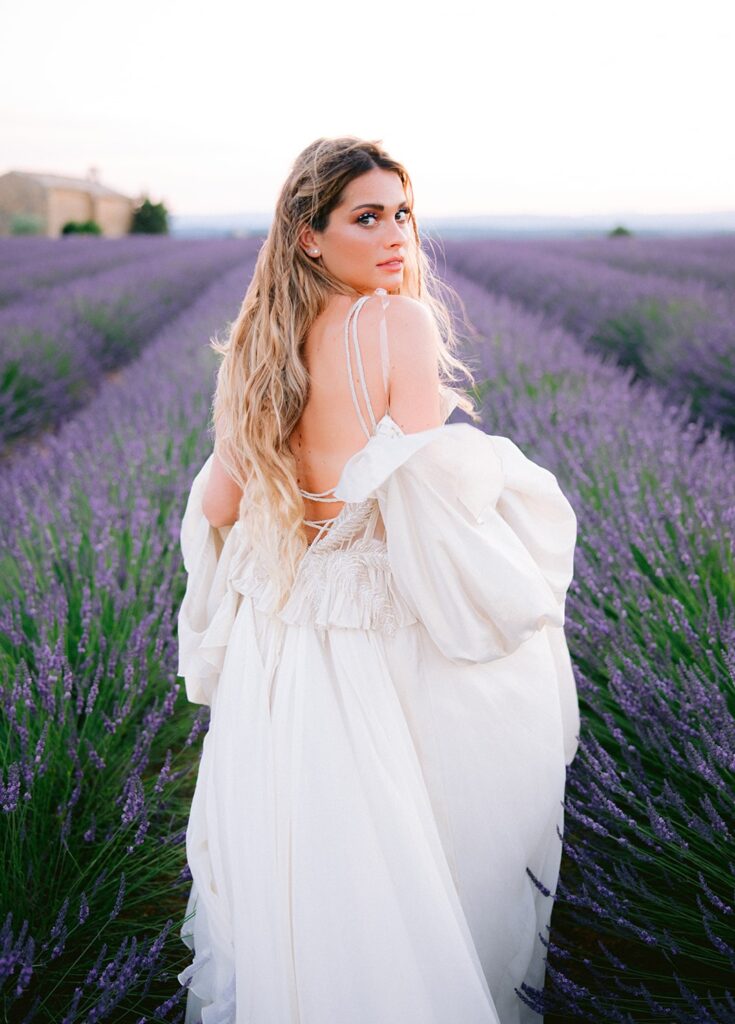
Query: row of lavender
point(101, 766)
point(29, 264)
point(643, 926)
point(678, 332)
point(56, 343)
point(708, 259)
point(96, 734)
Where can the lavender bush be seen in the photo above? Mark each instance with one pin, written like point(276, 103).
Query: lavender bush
point(55, 348)
point(643, 927)
point(678, 334)
point(96, 735)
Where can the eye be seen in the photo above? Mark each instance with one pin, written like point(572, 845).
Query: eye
point(404, 209)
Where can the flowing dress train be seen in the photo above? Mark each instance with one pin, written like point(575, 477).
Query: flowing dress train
point(386, 755)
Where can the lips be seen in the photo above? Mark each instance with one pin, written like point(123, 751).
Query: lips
point(395, 263)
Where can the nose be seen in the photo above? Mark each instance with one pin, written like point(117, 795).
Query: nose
point(395, 234)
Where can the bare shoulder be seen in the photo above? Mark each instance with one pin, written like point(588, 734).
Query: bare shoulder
point(404, 313)
point(413, 341)
point(411, 328)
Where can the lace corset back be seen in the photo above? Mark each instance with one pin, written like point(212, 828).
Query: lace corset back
point(360, 518)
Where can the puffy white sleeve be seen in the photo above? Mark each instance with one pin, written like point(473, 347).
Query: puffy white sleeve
point(209, 606)
point(480, 538)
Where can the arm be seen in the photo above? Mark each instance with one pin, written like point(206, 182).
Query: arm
point(221, 500)
point(414, 386)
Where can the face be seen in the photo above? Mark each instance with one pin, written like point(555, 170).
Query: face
point(370, 227)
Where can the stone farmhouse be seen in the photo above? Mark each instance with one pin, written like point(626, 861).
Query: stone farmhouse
point(51, 200)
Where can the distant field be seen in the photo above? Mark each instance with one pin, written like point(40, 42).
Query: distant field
point(665, 308)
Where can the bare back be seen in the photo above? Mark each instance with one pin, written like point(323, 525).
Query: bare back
point(337, 419)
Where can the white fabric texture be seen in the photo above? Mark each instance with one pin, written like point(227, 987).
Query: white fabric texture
point(386, 756)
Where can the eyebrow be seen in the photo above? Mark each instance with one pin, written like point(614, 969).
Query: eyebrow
point(377, 206)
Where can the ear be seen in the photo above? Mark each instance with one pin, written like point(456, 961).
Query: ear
point(309, 243)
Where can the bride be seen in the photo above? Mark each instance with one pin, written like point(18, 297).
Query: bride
point(374, 613)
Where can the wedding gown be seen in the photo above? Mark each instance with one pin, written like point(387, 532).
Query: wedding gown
point(386, 755)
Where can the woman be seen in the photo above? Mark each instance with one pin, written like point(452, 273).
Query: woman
point(374, 613)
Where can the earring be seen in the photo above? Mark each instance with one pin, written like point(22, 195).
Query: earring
point(314, 252)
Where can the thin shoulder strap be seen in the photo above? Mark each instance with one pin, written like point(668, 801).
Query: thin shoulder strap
point(383, 334)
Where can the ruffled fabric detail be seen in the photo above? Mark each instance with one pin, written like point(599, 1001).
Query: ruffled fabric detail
point(344, 580)
point(350, 588)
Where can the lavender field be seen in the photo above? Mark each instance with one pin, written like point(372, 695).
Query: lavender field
point(664, 308)
point(101, 747)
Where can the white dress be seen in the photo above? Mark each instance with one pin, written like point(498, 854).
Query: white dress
point(386, 756)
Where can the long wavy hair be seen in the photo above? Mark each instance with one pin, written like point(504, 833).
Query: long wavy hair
point(262, 384)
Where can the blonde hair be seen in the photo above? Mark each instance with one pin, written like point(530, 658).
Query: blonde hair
point(262, 384)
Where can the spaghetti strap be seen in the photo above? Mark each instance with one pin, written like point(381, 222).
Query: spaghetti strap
point(352, 318)
point(383, 336)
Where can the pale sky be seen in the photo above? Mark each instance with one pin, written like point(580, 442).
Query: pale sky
point(518, 106)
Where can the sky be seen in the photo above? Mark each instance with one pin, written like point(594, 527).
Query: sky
point(513, 107)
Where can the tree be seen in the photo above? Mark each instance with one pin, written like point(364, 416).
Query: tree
point(619, 232)
point(81, 227)
point(149, 218)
